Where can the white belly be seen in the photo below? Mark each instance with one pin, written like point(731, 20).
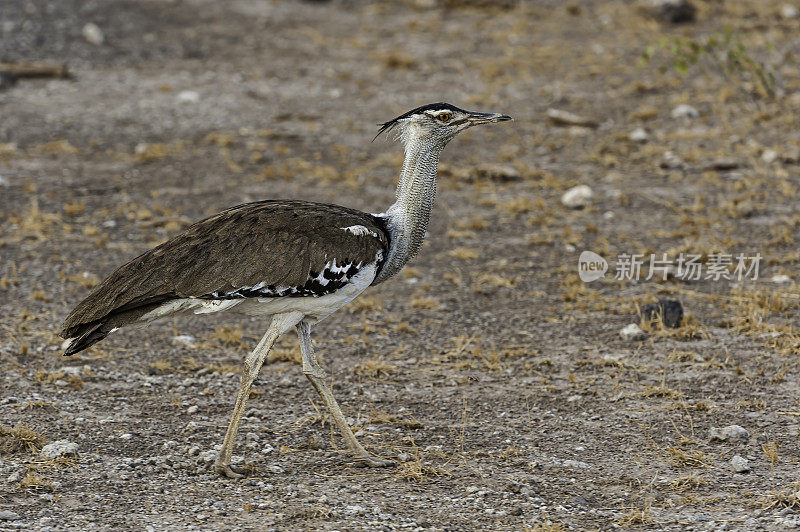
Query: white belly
point(314, 308)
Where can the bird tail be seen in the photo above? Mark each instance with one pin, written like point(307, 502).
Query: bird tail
point(86, 336)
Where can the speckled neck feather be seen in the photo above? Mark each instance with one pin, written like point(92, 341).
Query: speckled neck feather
point(409, 215)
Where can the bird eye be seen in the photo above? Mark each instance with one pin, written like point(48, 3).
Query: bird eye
point(444, 117)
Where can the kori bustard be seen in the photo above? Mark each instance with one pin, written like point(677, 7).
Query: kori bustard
point(294, 262)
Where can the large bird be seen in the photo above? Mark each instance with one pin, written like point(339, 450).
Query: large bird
point(293, 262)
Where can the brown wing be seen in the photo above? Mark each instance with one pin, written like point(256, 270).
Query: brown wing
point(269, 242)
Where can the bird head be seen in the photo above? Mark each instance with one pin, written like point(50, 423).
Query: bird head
point(438, 122)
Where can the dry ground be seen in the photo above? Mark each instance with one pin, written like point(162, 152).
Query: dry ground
point(493, 375)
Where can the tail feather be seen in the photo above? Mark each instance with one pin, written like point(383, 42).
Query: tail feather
point(87, 337)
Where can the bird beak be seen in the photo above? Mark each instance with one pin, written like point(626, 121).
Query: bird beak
point(484, 118)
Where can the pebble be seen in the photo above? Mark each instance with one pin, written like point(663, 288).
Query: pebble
point(781, 278)
point(577, 197)
point(671, 161)
point(8, 515)
point(194, 451)
point(59, 448)
point(669, 311)
point(789, 11)
point(769, 156)
point(126, 436)
point(267, 449)
point(670, 11)
point(13, 477)
point(792, 154)
point(7, 81)
point(184, 339)
point(632, 333)
point(188, 97)
point(192, 409)
point(684, 111)
point(639, 135)
point(404, 457)
point(722, 164)
point(565, 118)
point(495, 172)
point(739, 464)
point(3, 182)
point(93, 34)
point(731, 433)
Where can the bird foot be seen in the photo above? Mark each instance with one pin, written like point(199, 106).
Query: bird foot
point(226, 470)
point(371, 461)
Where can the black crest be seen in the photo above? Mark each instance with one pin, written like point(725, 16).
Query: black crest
point(441, 106)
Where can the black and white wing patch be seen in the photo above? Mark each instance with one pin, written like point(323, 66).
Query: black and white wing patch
point(332, 277)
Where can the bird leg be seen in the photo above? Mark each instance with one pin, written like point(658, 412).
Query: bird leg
point(316, 375)
point(252, 365)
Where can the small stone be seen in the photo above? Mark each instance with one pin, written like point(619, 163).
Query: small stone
point(722, 164)
point(495, 172)
point(731, 433)
point(267, 449)
point(751, 522)
point(194, 451)
point(745, 208)
point(639, 135)
point(192, 409)
point(669, 11)
point(667, 311)
point(188, 97)
point(565, 118)
point(769, 156)
point(577, 197)
point(8, 515)
point(404, 457)
point(789, 11)
point(184, 339)
point(792, 153)
point(632, 333)
point(781, 279)
point(684, 111)
point(671, 161)
point(126, 436)
point(13, 477)
point(58, 449)
point(7, 81)
point(739, 464)
point(93, 34)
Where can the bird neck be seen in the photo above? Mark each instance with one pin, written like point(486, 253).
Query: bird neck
point(409, 215)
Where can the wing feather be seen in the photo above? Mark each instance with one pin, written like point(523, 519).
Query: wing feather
point(271, 242)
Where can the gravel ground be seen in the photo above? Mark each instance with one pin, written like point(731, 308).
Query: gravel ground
point(488, 370)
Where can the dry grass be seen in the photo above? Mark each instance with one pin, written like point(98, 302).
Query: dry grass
point(407, 421)
point(636, 516)
point(464, 253)
point(419, 470)
point(19, 438)
point(374, 368)
point(367, 303)
point(35, 482)
point(788, 497)
point(688, 482)
point(544, 527)
point(227, 336)
point(487, 283)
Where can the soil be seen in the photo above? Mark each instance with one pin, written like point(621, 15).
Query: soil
point(494, 377)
